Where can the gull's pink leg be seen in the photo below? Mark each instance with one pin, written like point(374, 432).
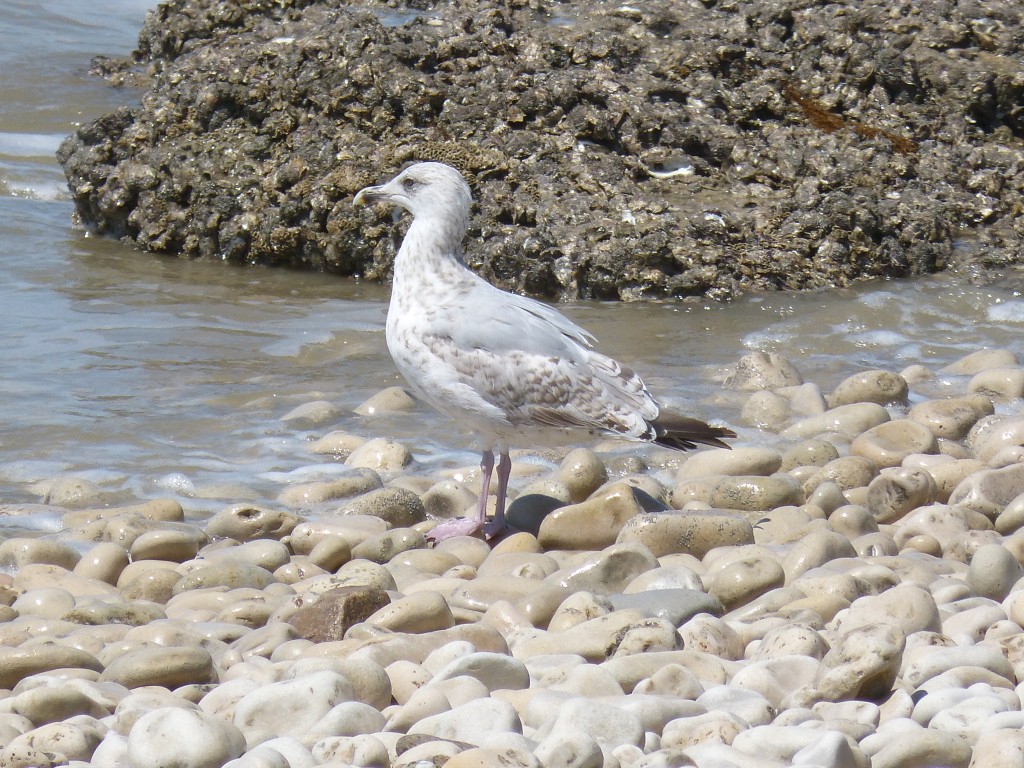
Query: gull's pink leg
point(467, 526)
point(497, 526)
point(486, 470)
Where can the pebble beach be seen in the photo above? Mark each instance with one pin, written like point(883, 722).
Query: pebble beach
point(211, 554)
point(842, 589)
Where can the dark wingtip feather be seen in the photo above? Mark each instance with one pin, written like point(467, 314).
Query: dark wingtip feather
point(684, 433)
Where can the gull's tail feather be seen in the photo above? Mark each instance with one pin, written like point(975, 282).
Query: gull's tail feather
point(684, 433)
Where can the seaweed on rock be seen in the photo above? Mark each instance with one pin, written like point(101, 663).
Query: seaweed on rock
point(261, 120)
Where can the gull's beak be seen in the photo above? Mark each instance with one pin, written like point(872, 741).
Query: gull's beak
point(369, 195)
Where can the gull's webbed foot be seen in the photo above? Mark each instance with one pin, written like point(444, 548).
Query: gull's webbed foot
point(465, 526)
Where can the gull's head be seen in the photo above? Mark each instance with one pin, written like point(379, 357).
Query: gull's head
point(423, 189)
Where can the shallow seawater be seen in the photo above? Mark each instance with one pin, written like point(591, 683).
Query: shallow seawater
point(152, 376)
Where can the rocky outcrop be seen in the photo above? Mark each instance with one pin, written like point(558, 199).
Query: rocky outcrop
point(667, 149)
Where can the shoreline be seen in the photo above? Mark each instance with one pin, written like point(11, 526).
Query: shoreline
point(849, 597)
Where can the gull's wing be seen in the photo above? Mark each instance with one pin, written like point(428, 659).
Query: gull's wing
point(489, 318)
point(537, 366)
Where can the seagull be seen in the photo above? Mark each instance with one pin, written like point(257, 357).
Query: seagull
point(512, 370)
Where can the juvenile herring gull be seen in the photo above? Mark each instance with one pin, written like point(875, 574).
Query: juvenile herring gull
point(512, 370)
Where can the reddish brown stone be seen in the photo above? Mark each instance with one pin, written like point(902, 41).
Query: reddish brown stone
point(337, 610)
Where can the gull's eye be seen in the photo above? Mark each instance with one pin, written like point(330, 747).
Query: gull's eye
point(409, 183)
